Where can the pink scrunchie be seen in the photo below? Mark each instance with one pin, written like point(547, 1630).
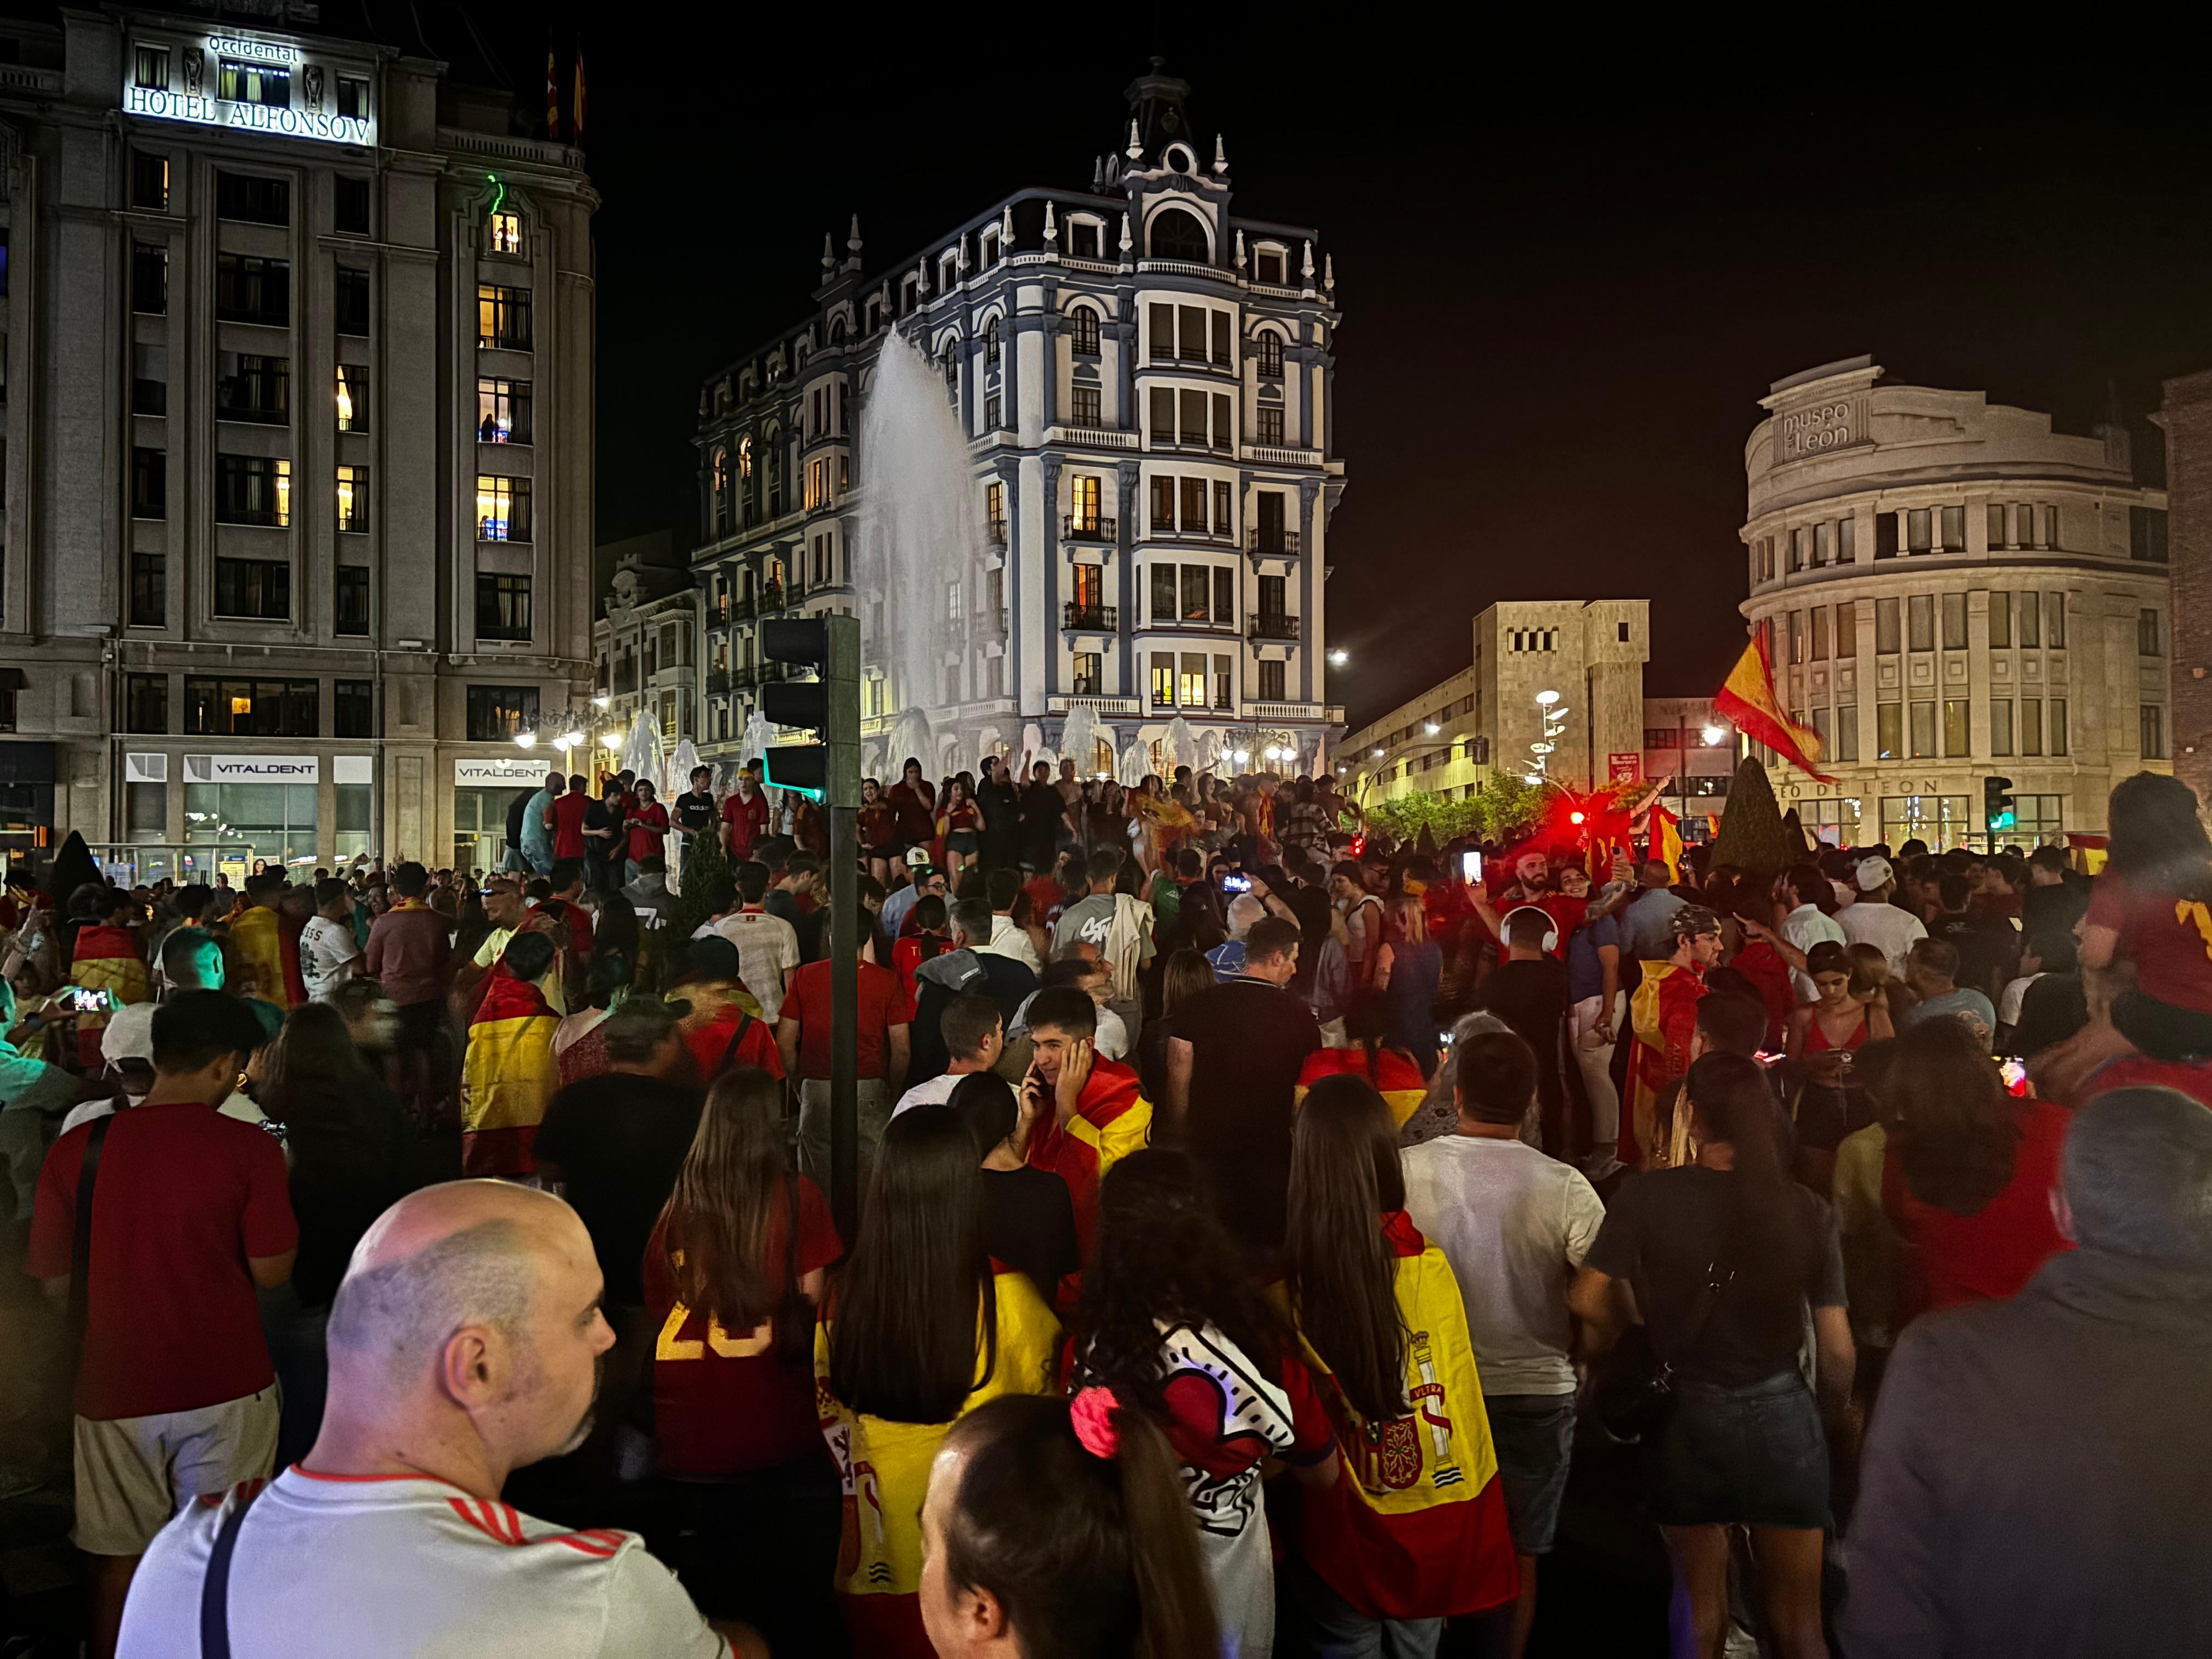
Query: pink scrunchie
point(1091, 1411)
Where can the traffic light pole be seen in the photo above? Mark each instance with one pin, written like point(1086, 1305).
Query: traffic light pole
point(842, 796)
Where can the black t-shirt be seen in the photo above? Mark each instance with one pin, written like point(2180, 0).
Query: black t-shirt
point(1531, 997)
point(516, 809)
point(1029, 1224)
point(1663, 1233)
point(1042, 807)
point(1311, 906)
point(1984, 943)
point(807, 924)
point(1249, 1041)
point(693, 812)
point(1006, 982)
point(620, 1138)
point(601, 814)
point(351, 1159)
point(2045, 910)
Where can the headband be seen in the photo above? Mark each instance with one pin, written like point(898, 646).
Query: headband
point(1091, 1413)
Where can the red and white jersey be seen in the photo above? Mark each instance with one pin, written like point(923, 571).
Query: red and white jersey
point(356, 1566)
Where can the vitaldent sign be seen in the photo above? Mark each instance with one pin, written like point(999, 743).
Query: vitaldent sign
point(501, 772)
point(252, 117)
point(252, 768)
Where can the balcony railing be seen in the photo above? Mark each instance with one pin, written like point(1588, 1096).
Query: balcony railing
point(1096, 703)
point(1272, 628)
point(718, 680)
point(1271, 544)
point(990, 624)
point(1092, 618)
point(740, 609)
point(998, 530)
point(771, 596)
point(1092, 528)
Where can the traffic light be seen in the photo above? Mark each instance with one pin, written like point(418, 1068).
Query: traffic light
point(829, 770)
point(1998, 808)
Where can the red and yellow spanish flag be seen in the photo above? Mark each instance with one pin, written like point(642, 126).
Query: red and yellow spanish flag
point(270, 957)
point(1665, 840)
point(508, 1076)
point(576, 102)
point(1414, 1525)
point(106, 959)
point(1112, 1120)
point(1395, 1074)
point(1748, 699)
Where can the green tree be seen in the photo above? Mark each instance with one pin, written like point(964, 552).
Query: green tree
point(1752, 836)
point(703, 862)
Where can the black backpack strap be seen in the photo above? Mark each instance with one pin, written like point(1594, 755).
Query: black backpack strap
point(215, 1588)
point(87, 1178)
point(736, 1040)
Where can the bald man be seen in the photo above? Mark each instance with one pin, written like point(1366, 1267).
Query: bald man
point(465, 1342)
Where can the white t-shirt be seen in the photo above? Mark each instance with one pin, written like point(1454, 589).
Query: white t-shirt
point(936, 1091)
point(1515, 1225)
point(1007, 940)
point(239, 1104)
point(2015, 994)
point(326, 948)
point(366, 1568)
point(1890, 928)
point(767, 949)
point(1805, 927)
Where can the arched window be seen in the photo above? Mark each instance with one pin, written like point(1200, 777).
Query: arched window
point(1270, 348)
point(1176, 235)
point(952, 363)
point(836, 331)
point(718, 506)
point(1083, 329)
point(745, 456)
point(721, 470)
point(991, 341)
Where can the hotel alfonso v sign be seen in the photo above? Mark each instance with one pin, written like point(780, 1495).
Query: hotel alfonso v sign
point(1820, 428)
point(254, 86)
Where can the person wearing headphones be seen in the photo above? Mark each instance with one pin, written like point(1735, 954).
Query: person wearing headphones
point(1529, 992)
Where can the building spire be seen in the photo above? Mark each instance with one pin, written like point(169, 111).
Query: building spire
point(829, 257)
point(853, 236)
point(1220, 155)
point(1134, 149)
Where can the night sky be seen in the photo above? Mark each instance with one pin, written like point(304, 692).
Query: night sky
point(1565, 282)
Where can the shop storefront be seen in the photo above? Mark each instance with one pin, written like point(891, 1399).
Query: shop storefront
point(26, 803)
point(484, 787)
point(198, 815)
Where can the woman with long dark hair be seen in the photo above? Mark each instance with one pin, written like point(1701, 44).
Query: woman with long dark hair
point(1172, 1321)
point(1967, 1173)
point(1414, 1529)
point(731, 1276)
point(1057, 1529)
point(2149, 905)
point(1408, 967)
point(1184, 974)
point(1720, 1255)
point(960, 825)
point(918, 1328)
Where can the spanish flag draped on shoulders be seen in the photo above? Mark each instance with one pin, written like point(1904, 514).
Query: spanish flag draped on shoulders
point(1395, 1074)
point(1414, 1525)
point(884, 1466)
point(1663, 1015)
point(108, 957)
point(269, 953)
point(1111, 1119)
point(509, 1074)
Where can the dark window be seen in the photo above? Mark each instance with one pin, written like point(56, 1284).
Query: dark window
point(991, 413)
point(150, 483)
point(349, 205)
point(1163, 333)
point(253, 388)
point(991, 342)
point(1270, 345)
point(252, 709)
point(1194, 505)
point(1163, 501)
point(1885, 537)
point(252, 490)
point(1164, 415)
point(1083, 330)
point(353, 98)
point(352, 300)
point(1082, 242)
point(250, 290)
point(1267, 267)
point(254, 199)
point(1221, 420)
point(1164, 593)
point(1271, 680)
point(353, 708)
point(502, 317)
point(1221, 347)
point(1270, 426)
point(501, 711)
point(1088, 412)
point(149, 590)
point(150, 277)
point(146, 702)
point(2146, 534)
point(1176, 235)
point(150, 181)
point(1194, 418)
point(260, 588)
point(502, 606)
point(352, 594)
point(1271, 602)
point(1225, 595)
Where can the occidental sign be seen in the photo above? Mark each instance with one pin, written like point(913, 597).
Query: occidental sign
point(255, 118)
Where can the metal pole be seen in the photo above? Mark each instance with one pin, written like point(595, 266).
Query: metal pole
point(842, 798)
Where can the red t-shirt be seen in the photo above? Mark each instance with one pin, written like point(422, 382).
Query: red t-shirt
point(710, 1042)
point(647, 826)
point(183, 1197)
point(2168, 940)
point(1046, 896)
point(742, 823)
point(1990, 1255)
point(878, 827)
point(883, 1005)
point(723, 1401)
point(568, 811)
point(916, 809)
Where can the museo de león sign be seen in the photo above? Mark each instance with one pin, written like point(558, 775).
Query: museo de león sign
point(253, 118)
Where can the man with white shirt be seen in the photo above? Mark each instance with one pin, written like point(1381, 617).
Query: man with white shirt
point(465, 1342)
point(328, 952)
point(1008, 937)
point(767, 946)
point(1515, 1225)
point(1873, 920)
point(1809, 922)
point(975, 1036)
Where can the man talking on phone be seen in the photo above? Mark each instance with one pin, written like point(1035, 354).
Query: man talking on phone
point(1090, 1111)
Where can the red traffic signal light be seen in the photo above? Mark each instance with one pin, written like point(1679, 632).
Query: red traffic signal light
point(1577, 817)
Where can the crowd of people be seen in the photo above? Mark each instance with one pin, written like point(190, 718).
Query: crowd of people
point(1259, 1222)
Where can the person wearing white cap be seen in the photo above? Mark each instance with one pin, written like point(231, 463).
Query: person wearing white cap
point(1873, 919)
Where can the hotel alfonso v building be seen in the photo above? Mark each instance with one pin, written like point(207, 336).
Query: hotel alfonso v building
point(1951, 592)
point(296, 328)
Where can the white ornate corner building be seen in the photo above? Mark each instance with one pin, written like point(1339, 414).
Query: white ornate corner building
point(1143, 386)
point(297, 399)
point(1950, 591)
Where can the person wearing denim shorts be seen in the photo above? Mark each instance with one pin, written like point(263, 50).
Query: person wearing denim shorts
point(1515, 1225)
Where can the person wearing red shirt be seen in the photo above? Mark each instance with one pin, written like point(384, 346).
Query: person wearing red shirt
point(744, 817)
point(724, 1031)
point(877, 827)
point(802, 1033)
point(2153, 907)
point(915, 803)
point(175, 1396)
point(1967, 1173)
point(568, 809)
point(755, 1495)
point(648, 824)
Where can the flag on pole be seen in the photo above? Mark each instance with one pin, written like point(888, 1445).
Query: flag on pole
point(552, 97)
point(1665, 842)
point(1749, 700)
point(576, 101)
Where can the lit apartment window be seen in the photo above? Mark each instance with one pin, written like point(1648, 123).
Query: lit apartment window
point(1083, 330)
point(502, 317)
point(353, 398)
point(502, 606)
point(1089, 673)
point(269, 85)
point(150, 181)
point(257, 588)
point(252, 490)
point(353, 497)
point(251, 708)
point(150, 68)
point(503, 411)
point(1083, 502)
point(502, 508)
point(501, 711)
point(506, 233)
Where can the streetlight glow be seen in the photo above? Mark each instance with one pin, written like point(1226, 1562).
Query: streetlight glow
point(1339, 657)
point(1712, 735)
point(525, 740)
point(1547, 698)
point(1430, 727)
